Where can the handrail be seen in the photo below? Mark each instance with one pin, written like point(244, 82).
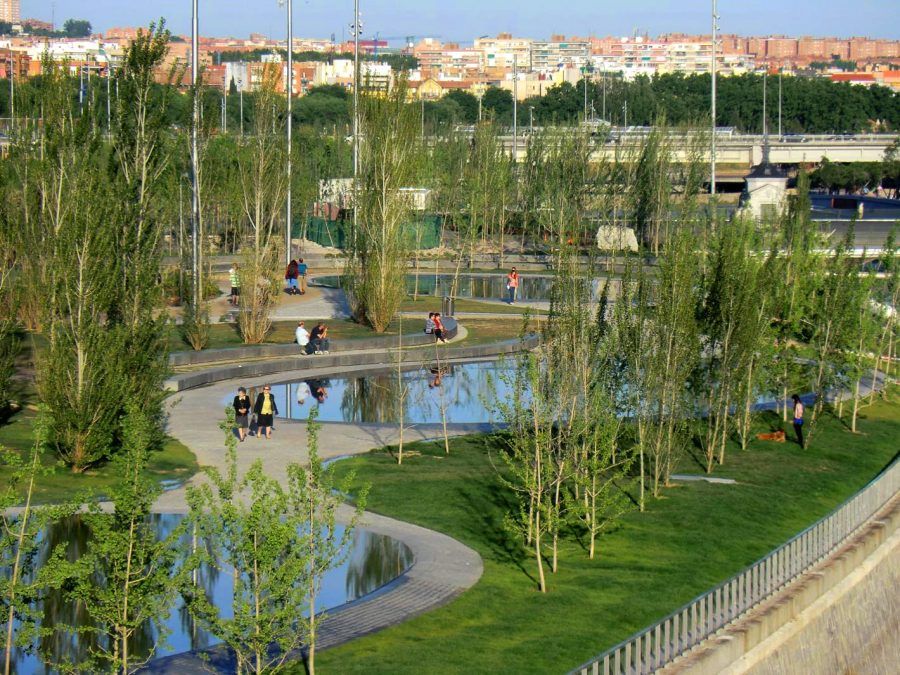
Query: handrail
point(688, 626)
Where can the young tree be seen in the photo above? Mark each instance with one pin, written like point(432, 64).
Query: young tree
point(129, 575)
point(389, 154)
point(263, 187)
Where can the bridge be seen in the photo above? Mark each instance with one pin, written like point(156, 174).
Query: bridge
point(743, 150)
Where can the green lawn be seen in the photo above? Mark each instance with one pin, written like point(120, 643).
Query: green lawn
point(224, 335)
point(425, 304)
point(174, 462)
point(483, 331)
point(697, 535)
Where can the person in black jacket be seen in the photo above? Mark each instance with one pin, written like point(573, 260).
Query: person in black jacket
point(242, 413)
point(265, 409)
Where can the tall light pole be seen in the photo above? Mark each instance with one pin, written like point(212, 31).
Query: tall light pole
point(108, 97)
point(12, 91)
point(515, 108)
point(289, 129)
point(712, 112)
point(356, 30)
point(531, 119)
point(241, 96)
point(195, 185)
point(604, 90)
point(779, 104)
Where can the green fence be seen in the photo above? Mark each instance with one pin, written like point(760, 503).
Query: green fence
point(423, 233)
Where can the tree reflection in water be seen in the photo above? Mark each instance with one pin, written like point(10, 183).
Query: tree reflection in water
point(375, 560)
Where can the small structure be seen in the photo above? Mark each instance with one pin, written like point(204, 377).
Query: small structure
point(764, 190)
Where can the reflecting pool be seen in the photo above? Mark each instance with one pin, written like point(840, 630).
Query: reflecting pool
point(477, 286)
point(466, 392)
point(373, 561)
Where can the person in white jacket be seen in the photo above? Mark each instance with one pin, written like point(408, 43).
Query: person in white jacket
point(302, 337)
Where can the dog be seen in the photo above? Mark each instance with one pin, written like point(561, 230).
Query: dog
point(776, 436)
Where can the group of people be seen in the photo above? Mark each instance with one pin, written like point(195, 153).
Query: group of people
point(434, 326)
point(295, 277)
point(312, 342)
point(265, 408)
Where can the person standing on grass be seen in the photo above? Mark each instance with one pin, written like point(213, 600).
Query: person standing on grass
point(798, 419)
point(512, 284)
point(302, 271)
point(265, 409)
point(234, 277)
point(241, 405)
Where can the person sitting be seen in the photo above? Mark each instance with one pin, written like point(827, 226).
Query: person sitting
point(438, 328)
point(318, 340)
point(302, 337)
point(429, 324)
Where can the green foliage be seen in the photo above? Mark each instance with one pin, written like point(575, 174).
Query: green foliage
point(276, 542)
point(77, 28)
point(128, 576)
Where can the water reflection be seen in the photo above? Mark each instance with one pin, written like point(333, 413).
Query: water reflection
point(373, 560)
point(478, 286)
point(464, 391)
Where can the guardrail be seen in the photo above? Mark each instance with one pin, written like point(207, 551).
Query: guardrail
point(662, 642)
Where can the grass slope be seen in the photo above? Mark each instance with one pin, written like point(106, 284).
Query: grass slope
point(697, 535)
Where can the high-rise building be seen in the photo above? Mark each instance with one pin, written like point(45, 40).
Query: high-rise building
point(10, 11)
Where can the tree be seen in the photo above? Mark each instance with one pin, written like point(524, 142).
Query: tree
point(389, 156)
point(263, 189)
point(499, 103)
point(276, 543)
point(77, 28)
point(129, 575)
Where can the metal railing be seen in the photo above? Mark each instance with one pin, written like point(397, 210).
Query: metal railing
point(660, 643)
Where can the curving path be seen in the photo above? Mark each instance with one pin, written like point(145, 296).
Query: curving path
point(442, 568)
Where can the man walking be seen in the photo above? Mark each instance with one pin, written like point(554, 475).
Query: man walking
point(302, 269)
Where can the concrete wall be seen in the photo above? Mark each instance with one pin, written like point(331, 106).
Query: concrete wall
point(841, 617)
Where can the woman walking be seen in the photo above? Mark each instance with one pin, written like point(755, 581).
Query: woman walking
point(512, 284)
point(241, 405)
point(798, 419)
point(290, 278)
point(265, 409)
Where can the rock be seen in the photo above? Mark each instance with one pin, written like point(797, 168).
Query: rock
point(611, 238)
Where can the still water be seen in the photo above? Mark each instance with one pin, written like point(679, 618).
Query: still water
point(466, 392)
point(373, 561)
point(477, 286)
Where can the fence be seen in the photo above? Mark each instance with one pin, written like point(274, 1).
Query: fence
point(661, 643)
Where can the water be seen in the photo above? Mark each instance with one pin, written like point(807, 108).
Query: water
point(465, 391)
point(476, 286)
point(373, 561)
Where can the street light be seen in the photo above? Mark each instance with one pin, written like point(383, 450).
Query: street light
point(712, 143)
point(195, 186)
point(290, 126)
point(531, 119)
point(241, 95)
point(356, 29)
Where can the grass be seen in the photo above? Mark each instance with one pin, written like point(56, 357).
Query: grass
point(173, 462)
point(227, 335)
point(695, 536)
point(484, 331)
point(425, 304)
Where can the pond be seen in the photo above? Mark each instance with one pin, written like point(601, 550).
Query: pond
point(465, 391)
point(476, 286)
point(373, 561)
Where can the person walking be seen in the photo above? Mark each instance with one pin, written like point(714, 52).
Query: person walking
point(798, 419)
point(302, 271)
point(438, 328)
point(241, 405)
point(302, 337)
point(234, 277)
point(265, 409)
point(512, 284)
point(290, 278)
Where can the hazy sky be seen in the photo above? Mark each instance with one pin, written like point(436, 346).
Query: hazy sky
point(463, 20)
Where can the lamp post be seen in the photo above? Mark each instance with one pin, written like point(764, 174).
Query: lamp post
point(195, 186)
point(515, 108)
point(531, 119)
point(241, 96)
point(356, 31)
point(12, 91)
point(289, 127)
point(712, 141)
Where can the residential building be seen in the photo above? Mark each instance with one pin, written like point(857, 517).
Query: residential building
point(559, 53)
point(10, 11)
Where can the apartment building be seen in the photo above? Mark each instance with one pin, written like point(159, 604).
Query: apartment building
point(10, 11)
point(559, 53)
point(500, 51)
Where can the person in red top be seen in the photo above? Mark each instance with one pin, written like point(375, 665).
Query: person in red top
point(512, 284)
point(438, 327)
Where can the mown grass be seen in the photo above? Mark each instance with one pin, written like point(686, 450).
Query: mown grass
point(697, 535)
point(173, 462)
point(425, 304)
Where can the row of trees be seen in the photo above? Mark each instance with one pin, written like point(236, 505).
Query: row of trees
point(665, 364)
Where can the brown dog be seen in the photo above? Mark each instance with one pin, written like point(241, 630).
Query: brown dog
point(776, 436)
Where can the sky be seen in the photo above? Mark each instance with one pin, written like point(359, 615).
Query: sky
point(464, 20)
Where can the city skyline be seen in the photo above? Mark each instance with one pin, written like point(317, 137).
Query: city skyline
point(469, 19)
